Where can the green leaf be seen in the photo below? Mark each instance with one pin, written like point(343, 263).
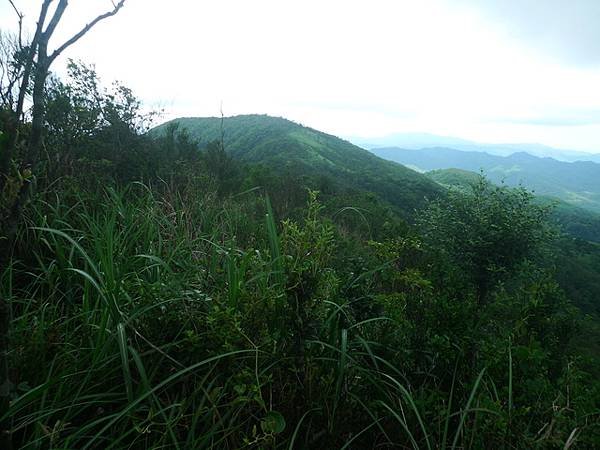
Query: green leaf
point(273, 423)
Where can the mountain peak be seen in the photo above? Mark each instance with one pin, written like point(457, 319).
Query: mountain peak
point(281, 143)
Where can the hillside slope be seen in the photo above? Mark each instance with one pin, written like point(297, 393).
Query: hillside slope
point(577, 183)
point(579, 222)
point(288, 146)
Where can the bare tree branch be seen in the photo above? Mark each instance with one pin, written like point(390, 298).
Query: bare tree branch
point(30, 57)
point(20, 15)
point(85, 29)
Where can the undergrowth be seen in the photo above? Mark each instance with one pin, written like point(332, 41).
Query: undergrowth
point(171, 317)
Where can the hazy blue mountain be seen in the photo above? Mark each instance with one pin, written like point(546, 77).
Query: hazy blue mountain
point(575, 182)
point(414, 141)
point(542, 151)
point(410, 141)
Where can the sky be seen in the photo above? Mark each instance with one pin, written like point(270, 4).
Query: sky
point(493, 71)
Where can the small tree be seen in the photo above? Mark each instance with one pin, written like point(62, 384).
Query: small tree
point(486, 232)
point(89, 125)
point(29, 71)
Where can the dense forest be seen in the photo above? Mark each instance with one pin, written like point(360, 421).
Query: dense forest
point(248, 282)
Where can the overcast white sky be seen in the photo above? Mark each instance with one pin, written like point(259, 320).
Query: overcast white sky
point(487, 70)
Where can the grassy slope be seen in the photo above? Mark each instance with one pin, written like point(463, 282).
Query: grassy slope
point(453, 177)
point(577, 183)
point(288, 146)
point(575, 220)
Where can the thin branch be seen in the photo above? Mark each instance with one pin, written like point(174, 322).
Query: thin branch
point(85, 29)
point(30, 57)
point(9, 75)
point(20, 15)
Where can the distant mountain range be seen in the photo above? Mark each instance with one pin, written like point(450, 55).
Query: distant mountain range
point(414, 141)
point(577, 183)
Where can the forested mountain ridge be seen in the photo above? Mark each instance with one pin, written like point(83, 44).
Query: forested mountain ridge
point(289, 147)
point(293, 149)
point(574, 182)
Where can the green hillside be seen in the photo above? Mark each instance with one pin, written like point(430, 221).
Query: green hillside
point(453, 177)
point(293, 148)
point(574, 220)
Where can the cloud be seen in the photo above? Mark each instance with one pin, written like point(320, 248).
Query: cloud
point(562, 29)
point(562, 118)
point(505, 70)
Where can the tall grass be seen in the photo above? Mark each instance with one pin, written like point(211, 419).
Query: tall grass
point(146, 320)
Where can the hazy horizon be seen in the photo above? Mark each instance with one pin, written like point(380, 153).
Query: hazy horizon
point(491, 72)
